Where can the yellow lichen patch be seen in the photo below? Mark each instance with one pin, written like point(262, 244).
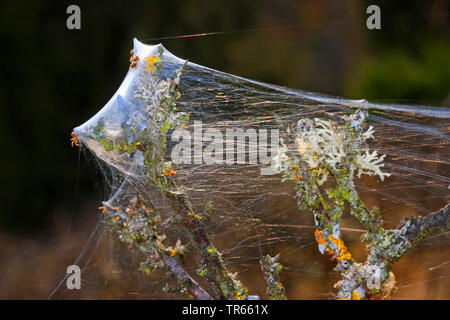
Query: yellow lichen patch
point(172, 252)
point(344, 256)
point(151, 60)
point(343, 251)
point(355, 295)
point(238, 296)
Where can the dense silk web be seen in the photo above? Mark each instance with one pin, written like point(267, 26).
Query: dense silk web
point(245, 213)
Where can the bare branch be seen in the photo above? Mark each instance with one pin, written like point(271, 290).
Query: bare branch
point(417, 229)
point(176, 269)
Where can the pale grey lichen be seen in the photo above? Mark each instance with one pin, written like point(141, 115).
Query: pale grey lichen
point(339, 149)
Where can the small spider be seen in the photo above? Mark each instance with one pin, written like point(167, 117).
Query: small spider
point(133, 60)
point(103, 209)
point(74, 139)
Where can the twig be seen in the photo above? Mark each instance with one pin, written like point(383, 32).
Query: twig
point(213, 266)
point(184, 279)
point(271, 269)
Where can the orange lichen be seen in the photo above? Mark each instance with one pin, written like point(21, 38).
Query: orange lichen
point(172, 252)
point(318, 235)
point(169, 172)
point(343, 251)
point(329, 251)
point(116, 218)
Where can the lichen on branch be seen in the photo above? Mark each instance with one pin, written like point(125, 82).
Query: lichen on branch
point(337, 151)
point(271, 268)
point(138, 223)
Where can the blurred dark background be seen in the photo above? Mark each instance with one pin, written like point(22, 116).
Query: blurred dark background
point(54, 79)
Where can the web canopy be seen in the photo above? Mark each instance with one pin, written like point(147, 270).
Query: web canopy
point(209, 173)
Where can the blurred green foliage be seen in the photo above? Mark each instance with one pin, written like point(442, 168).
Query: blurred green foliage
point(408, 59)
point(400, 74)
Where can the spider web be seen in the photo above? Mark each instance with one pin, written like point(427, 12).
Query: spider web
point(257, 214)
